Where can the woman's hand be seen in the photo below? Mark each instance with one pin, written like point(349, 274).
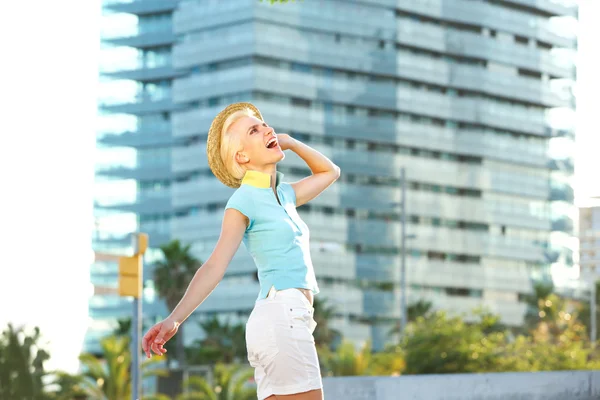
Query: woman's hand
point(158, 335)
point(286, 142)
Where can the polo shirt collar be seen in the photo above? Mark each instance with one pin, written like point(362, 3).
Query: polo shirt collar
point(260, 180)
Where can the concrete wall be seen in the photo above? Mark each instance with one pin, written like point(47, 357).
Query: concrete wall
point(570, 385)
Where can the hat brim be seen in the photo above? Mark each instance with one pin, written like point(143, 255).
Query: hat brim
point(213, 143)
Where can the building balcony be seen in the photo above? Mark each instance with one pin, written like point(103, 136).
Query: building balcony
point(564, 224)
point(144, 173)
point(111, 306)
point(189, 158)
point(143, 40)
point(565, 165)
point(552, 7)
point(230, 297)
point(403, 65)
point(372, 95)
point(139, 7)
point(432, 171)
point(145, 74)
point(143, 105)
point(494, 17)
point(283, 42)
point(561, 192)
point(149, 135)
point(108, 243)
point(472, 45)
point(143, 206)
point(199, 191)
point(368, 21)
point(285, 118)
point(199, 227)
point(204, 191)
point(214, 84)
point(428, 238)
point(193, 122)
point(198, 16)
point(141, 139)
point(341, 229)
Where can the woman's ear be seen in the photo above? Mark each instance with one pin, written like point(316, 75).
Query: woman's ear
point(241, 157)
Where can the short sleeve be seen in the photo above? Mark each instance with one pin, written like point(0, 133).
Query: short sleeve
point(290, 193)
point(242, 203)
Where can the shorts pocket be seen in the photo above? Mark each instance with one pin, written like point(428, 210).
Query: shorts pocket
point(301, 322)
point(260, 340)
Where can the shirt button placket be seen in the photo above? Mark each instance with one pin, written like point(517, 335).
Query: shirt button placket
point(287, 213)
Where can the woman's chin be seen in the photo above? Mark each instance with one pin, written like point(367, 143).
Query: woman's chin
point(277, 155)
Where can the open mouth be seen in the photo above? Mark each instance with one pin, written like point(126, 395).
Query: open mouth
point(271, 144)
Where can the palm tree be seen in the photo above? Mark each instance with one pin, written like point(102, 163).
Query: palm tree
point(110, 378)
point(223, 342)
point(230, 383)
point(172, 276)
point(325, 336)
point(585, 312)
point(419, 308)
point(124, 327)
point(71, 387)
point(22, 365)
point(156, 397)
point(537, 309)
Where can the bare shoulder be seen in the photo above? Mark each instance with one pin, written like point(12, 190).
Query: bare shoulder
point(232, 233)
point(234, 219)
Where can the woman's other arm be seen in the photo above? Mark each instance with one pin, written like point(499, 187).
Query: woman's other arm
point(205, 280)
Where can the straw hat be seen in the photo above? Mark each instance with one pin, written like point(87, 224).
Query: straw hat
point(213, 143)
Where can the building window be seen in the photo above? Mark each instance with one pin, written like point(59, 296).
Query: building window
point(433, 255)
point(300, 102)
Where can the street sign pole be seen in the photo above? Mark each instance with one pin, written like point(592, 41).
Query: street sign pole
point(403, 304)
point(593, 313)
point(140, 245)
point(131, 285)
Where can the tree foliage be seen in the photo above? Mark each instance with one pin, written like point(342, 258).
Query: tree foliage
point(172, 276)
point(556, 340)
point(231, 382)
point(438, 343)
point(414, 310)
point(348, 360)
point(326, 337)
point(223, 343)
point(108, 377)
point(22, 361)
point(585, 313)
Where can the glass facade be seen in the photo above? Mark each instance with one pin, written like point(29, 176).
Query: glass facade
point(472, 97)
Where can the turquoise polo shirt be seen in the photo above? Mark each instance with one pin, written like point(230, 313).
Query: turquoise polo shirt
point(276, 237)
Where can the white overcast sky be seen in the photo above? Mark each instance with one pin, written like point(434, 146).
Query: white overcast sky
point(48, 91)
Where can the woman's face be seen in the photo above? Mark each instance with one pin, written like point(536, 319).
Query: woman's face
point(259, 143)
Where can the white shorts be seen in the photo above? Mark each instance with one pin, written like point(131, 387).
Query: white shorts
point(281, 346)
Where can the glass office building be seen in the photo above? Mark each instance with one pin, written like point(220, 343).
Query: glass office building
point(472, 97)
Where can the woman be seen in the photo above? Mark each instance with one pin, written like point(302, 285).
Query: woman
point(243, 152)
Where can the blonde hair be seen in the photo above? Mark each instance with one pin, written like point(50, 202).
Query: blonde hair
point(231, 143)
